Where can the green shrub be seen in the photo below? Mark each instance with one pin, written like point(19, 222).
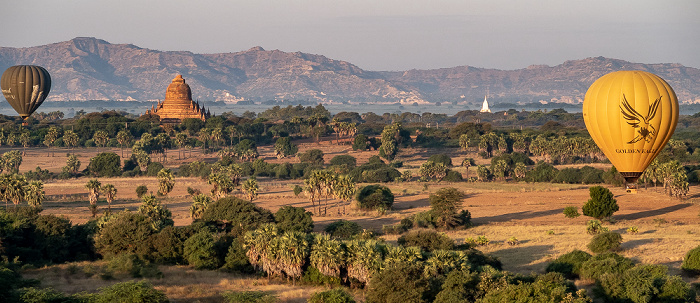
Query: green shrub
point(459, 286)
point(200, 251)
point(613, 177)
point(633, 230)
point(551, 287)
point(237, 212)
point(347, 160)
point(644, 283)
point(542, 172)
point(291, 218)
point(602, 203)
point(331, 296)
point(167, 246)
point(141, 190)
point(360, 142)
point(249, 297)
point(105, 165)
point(452, 176)
point(427, 240)
point(236, 259)
point(568, 175)
point(46, 295)
point(594, 227)
point(441, 158)
point(569, 264)
point(153, 169)
point(444, 204)
point(571, 212)
point(129, 292)
point(127, 232)
point(312, 156)
point(375, 196)
point(343, 229)
point(604, 263)
point(691, 262)
point(402, 283)
point(607, 241)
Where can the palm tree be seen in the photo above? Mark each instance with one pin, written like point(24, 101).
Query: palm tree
point(199, 205)
point(142, 158)
point(72, 164)
point(70, 139)
point(364, 259)
point(203, 136)
point(24, 140)
point(110, 193)
point(180, 140)
point(328, 255)
point(216, 136)
point(16, 189)
point(467, 163)
point(256, 244)
point(35, 194)
point(398, 255)
point(250, 188)
point(441, 262)
point(101, 138)
point(124, 138)
point(94, 187)
point(293, 251)
point(344, 190)
point(51, 136)
point(223, 184)
point(166, 181)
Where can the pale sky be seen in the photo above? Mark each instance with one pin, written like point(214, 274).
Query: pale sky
point(377, 34)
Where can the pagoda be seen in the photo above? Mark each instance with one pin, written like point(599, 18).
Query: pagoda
point(178, 104)
point(485, 107)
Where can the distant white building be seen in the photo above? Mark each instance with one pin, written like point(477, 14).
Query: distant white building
point(485, 108)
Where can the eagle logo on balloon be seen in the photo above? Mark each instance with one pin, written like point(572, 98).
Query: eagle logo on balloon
point(645, 131)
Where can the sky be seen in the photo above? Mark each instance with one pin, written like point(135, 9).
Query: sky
point(377, 35)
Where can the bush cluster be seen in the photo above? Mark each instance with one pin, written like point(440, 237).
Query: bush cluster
point(375, 197)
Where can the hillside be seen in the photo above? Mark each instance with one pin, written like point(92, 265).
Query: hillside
point(94, 69)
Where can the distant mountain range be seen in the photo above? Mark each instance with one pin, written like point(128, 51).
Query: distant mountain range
point(94, 69)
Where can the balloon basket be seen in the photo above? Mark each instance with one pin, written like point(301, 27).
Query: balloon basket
point(631, 188)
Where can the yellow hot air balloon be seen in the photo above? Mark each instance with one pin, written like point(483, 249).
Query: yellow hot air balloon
point(631, 115)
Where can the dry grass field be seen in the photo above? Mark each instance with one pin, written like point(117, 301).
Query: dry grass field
point(532, 213)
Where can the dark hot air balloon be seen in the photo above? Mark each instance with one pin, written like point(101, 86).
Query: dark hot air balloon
point(25, 87)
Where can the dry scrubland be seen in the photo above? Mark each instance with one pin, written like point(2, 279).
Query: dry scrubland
point(530, 212)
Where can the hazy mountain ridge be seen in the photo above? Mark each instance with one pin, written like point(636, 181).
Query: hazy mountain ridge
point(93, 69)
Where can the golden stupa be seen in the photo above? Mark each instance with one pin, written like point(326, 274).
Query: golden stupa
point(178, 104)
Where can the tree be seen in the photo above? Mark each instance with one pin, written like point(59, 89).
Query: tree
point(199, 205)
point(328, 255)
point(285, 148)
point(433, 171)
point(237, 212)
point(166, 181)
point(110, 193)
point(390, 141)
point(344, 190)
point(72, 165)
point(51, 136)
point(105, 165)
point(101, 138)
point(35, 194)
point(15, 188)
point(602, 203)
point(467, 163)
point(250, 188)
point(24, 139)
point(124, 138)
point(180, 141)
point(500, 169)
point(70, 139)
point(11, 161)
point(312, 156)
point(94, 187)
point(444, 204)
point(142, 158)
point(291, 218)
point(158, 215)
point(375, 196)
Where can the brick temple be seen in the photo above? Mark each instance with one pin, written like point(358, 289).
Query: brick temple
point(178, 104)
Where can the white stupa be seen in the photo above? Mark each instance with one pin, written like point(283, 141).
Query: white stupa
point(485, 107)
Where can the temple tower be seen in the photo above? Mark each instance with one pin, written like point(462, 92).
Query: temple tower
point(178, 104)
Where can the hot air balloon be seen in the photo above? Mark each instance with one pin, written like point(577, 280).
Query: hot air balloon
point(631, 115)
point(25, 87)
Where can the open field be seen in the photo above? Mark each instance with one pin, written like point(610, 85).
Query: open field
point(531, 212)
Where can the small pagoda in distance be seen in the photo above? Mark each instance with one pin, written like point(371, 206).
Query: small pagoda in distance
point(178, 104)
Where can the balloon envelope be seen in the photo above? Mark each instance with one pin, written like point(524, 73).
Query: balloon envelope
point(25, 87)
point(631, 115)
